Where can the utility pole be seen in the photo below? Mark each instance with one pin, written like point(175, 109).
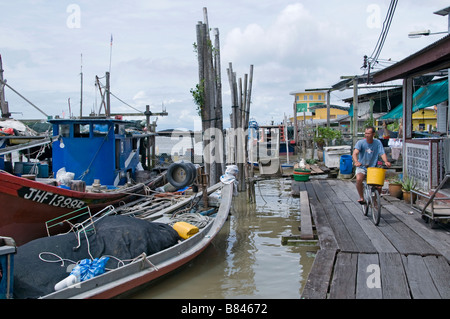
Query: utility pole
point(355, 110)
point(328, 91)
point(295, 128)
point(328, 108)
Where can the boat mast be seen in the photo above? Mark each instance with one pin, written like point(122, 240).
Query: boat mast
point(3, 104)
point(108, 96)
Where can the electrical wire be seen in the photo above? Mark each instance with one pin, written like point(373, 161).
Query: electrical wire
point(385, 30)
point(120, 100)
point(373, 59)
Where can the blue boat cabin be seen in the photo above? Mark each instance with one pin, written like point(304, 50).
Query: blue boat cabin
point(96, 149)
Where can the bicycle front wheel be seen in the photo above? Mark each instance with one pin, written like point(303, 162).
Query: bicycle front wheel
point(367, 199)
point(376, 206)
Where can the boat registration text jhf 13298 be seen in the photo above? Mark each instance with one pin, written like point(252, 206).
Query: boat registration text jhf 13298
point(49, 198)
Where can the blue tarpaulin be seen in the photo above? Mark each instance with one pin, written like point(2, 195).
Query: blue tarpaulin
point(88, 268)
point(426, 96)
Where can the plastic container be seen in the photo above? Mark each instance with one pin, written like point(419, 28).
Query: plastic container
point(185, 230)
point(301, 175)
point(30, 168)
point(18, 168)
point(43, 171)
point(332, 155)
point(375, 176)
point(7, 251)
point(67, 282)
point(346, 164)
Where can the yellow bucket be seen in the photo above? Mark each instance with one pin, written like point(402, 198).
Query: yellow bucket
point(185, 230)
point(375, 176)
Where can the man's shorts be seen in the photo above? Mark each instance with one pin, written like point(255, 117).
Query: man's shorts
point(361, 170)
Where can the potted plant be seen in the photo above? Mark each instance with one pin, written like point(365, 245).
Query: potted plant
point(408, 184)
point(325, 135)
point(395, 188)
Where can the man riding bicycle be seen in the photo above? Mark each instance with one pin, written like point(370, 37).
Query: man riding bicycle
point(365, 155)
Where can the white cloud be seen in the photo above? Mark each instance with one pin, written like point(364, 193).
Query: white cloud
point(293, 45)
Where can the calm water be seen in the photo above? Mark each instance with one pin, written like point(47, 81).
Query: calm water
point(246, 259)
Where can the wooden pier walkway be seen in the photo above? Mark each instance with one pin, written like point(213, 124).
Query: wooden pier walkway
point(401, 258)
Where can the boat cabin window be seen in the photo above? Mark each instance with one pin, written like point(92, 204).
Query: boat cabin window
point(81, 130)
point(100, 130)
point(64, 130)
point(119, 129)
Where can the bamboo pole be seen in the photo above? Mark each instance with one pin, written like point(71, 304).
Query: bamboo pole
point(211, 111)
point(234, 109)
point(249, 95)
point(220, 145)
point(241, 101)
point(249, 157)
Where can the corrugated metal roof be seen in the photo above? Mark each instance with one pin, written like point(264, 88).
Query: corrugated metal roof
point(434, 57)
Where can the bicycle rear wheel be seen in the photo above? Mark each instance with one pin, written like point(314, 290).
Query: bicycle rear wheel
point(375, 206)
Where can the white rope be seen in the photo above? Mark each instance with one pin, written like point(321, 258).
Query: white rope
point(120, 262)
point(59, 258)
point(194, 219)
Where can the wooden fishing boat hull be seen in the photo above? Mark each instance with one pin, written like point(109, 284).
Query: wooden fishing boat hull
point(28, 204)
point(134, 275)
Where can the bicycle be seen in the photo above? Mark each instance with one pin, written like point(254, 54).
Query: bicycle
point(372, 201)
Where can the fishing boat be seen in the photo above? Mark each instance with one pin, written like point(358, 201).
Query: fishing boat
point(95, 162)
point(145, 266)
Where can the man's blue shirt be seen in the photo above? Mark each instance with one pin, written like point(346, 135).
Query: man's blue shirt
point(368, 153)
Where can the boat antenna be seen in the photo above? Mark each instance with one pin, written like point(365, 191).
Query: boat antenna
point(110, 53)
point(70, 111)
point(81, 94)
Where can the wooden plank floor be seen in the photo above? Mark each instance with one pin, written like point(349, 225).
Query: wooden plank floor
point(402, 258)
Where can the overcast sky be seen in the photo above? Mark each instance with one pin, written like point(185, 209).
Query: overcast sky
point(293, 45)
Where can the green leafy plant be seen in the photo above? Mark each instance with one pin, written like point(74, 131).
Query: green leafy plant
point(325, 134)
point(394, 126)
point(369, 122)
point(408, 184)
point(198, 95)
point(395, 180)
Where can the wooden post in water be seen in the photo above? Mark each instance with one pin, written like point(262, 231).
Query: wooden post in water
point(251, 180)
point(211, 110)
point(220, 144)
point(236, 100)
point(234, 110)
point(241, 100)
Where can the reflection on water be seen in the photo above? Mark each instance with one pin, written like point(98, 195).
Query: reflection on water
point(246, 259)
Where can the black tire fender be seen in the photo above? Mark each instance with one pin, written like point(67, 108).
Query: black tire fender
point(177, 170)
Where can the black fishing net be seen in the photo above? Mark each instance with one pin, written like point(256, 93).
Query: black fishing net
point(123, 237)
